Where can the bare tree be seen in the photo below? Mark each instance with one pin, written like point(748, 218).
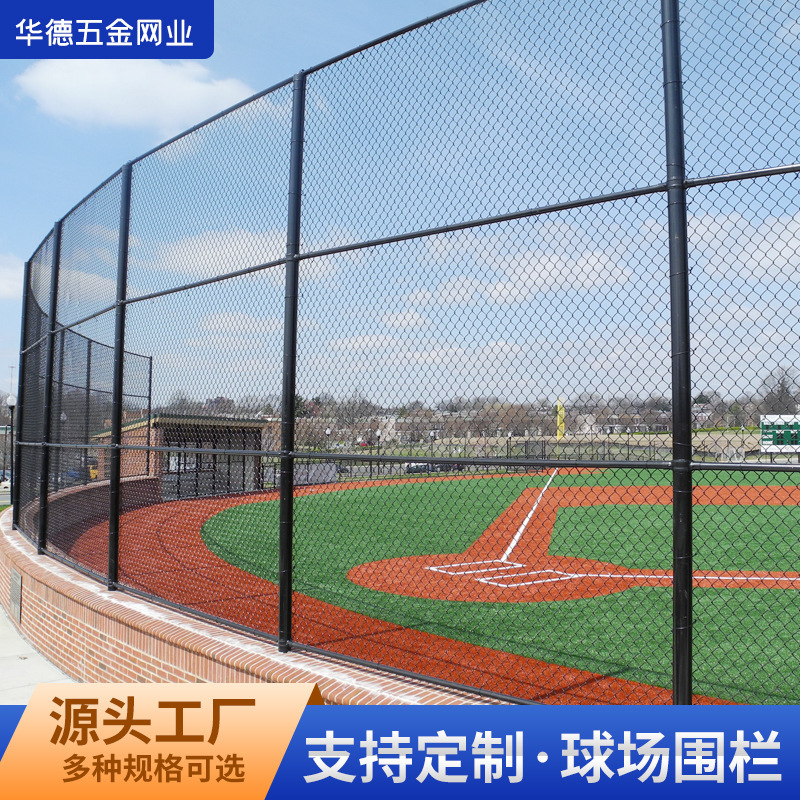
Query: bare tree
point(779, 391)
point(351, 410)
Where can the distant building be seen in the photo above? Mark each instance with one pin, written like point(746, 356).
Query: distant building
point(194, 474)
point(586, 425)
point(701, 414)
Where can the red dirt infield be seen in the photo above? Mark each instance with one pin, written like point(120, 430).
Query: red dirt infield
point(162, 554)
point(498, 569)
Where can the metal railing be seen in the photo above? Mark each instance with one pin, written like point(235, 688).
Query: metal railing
point(434, 335)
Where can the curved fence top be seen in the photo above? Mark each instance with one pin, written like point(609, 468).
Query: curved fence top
point(518, 259)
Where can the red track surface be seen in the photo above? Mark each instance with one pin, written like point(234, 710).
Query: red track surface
point(162, 553)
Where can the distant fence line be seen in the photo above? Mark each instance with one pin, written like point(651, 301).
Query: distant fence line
point(503, 201)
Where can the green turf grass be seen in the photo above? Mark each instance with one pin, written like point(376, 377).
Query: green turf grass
point(745, 639)
point(726, 537)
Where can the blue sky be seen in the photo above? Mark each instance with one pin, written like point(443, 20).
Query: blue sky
point(57, 142)
point(509, 106)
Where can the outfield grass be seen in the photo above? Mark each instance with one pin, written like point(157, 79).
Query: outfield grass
point(745, 639)
point(725, 537)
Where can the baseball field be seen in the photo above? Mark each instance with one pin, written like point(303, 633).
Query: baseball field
point(569, 571)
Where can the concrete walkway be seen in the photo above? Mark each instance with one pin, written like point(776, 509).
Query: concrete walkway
point(22, 667)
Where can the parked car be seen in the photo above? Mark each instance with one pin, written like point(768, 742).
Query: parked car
point(423, 466)
point(414, 467)
point(450, 467)
point(75, 475)
point(5, 483)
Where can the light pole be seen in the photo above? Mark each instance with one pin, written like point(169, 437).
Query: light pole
point(378, 437)
point(11, 402)
point(328, 433)
point(432, 434)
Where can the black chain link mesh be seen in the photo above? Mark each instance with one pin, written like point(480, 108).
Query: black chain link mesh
point(740, 85)
point(214, 201)
point(483, 113)
point(472, 337)
point(31, 390)
point(87, 275)
point(81, 412)
point(39, 287)
point(28, 468)
point(483, 417)
point(216, 387)
point(741, 114)
point(745, 250)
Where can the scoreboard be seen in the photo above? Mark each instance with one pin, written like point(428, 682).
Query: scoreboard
point(780, 433)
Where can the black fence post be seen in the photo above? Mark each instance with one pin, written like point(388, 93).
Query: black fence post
point(150, 418)
point(16, 450)
point(286, 526)
point(86, 471)
point(47, 405)
point(59, 409)
point(115, 455)
point(681, 374)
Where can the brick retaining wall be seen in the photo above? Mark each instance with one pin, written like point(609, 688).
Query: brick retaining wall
point(95, 635)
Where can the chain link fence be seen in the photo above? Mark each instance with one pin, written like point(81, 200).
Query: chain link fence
point(442, 357)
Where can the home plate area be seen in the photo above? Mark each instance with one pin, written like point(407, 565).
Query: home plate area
point(510, 561)
point(509, 573)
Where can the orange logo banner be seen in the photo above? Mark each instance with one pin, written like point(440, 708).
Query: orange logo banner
point(187, 740)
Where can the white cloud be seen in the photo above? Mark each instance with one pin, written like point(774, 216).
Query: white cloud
point(11, 271)
point(80, 288)
point(423, 297)
point(141, 93)
point(730, 246)
point(549, 256)
point(790, 32)
point(215, 252)
point(458, 290)
point(235, 332)
point(237, 322)
point(529, 273)
point(373, 342)
point(218, 252)
point(525, 275)
point(405, 320)
point(465, 244)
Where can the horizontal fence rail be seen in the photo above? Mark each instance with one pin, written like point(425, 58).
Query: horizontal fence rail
point(469, 354)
